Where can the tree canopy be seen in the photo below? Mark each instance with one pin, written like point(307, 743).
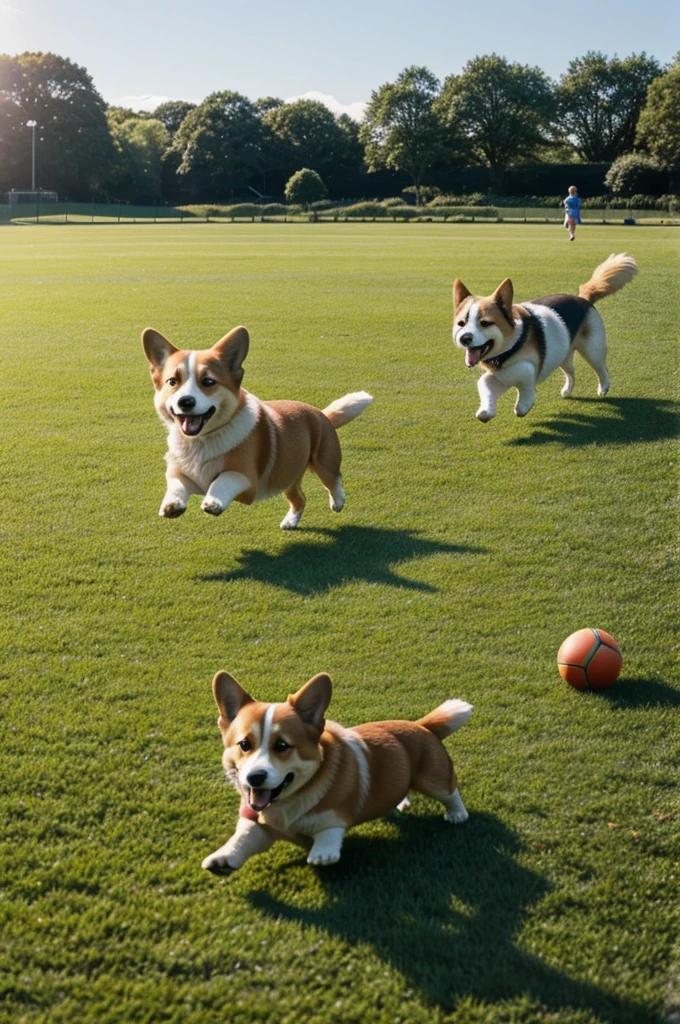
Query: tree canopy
point(74, 149)
point(497, 112)
point(599, 102)
point(402, 130)
point(220, 144)
point(659, 124)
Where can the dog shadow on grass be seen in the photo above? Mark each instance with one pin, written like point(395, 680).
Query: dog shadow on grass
point(635, 420)
point(350, 553)
point(443, 905)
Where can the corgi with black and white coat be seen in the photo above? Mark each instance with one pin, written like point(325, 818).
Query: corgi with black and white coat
point(520, 345)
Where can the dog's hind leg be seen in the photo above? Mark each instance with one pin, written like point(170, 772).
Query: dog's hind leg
point(567, 368)
point(297, 502)
point(591, 343)
point(326, 464)
point(456, 812)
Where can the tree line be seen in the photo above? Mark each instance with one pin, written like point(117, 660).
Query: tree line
point(495, 114)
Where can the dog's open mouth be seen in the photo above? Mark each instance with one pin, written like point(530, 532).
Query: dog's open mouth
point(476, 354)
point(192, 426)
point(261, 799)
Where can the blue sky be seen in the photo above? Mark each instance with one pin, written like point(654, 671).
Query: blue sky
point(140, 53)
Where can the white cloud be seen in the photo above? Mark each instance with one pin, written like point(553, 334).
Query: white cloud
point(355, 110)
point(146, 102)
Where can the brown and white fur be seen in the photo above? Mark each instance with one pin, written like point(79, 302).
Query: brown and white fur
point(521, 345)
point(226, 444)
point(308, 780)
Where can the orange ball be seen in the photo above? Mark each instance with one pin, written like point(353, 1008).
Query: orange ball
point(589, 659)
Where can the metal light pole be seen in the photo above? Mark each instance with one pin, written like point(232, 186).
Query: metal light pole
point(32, 125)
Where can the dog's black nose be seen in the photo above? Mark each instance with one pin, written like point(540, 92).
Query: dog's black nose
point(464, 339)
point(186, 403)
point(257, 779)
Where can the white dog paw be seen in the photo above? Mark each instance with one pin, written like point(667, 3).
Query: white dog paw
point(218, 865)
point(456, 817)
point(172, 509)
point(602, 390)
point(522, 410)
point(566, 390)
point(212, 506)
point(483, 415)
point(323, 858)
point(404, 804)
point(290, 521)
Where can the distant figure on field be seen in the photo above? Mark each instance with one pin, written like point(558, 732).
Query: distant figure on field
point(572, 211)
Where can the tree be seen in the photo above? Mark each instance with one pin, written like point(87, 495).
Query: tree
point(401, 130)
point(499, 112)
point(599, 102)
point(172, 113)
point(220, 145)
point(305, 187)
point(74, 149)
point(659, 124)
point(141, 143)
point(306, 134)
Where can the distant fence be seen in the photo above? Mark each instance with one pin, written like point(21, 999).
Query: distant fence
point(120, 213)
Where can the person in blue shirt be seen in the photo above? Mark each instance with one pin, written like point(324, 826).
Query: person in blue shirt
point(572, 211)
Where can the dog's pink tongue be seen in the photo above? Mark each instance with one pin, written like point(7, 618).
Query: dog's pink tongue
point(191, 425)
point(472, 356)
point(260, 798)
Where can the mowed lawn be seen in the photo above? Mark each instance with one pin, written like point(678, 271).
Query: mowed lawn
point(464, 555)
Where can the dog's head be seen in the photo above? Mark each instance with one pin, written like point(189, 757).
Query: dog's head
point(482, 325)
point(197, 390)
point(271, 750)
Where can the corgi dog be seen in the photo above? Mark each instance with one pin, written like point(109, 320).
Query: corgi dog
point(307, 779)
point(521, 345)
point(227, 445)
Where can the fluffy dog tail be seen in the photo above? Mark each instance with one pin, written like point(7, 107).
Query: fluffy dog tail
point(347, 408)
point(448, 717)
point(609, 277)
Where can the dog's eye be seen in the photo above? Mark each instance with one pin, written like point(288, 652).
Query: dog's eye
point(245, 745)
point(171, 381)
point(281, 745)
point(486, 323)
point(208, 382)
point(461, 323)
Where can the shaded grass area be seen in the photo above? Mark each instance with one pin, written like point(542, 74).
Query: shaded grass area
point(464, 556)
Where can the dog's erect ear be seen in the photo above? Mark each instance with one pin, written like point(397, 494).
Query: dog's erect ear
point(229, 696)
point(311, 701)
point(232, 350)
point(460, 293)
point(503, 295)
point(156, 348)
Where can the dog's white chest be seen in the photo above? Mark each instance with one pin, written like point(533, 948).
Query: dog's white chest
point(193, 461)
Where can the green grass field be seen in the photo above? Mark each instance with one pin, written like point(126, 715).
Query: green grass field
point(464, 556)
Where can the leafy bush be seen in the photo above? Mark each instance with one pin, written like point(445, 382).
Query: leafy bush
point(635, 173)
point(473, 199)
point(274, 209)
point(305, 187)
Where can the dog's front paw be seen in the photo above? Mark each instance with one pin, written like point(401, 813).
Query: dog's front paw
point(172, 509)
point(522, 410)
point(218, 864)
point(456, 817)
point(212, 506)
point(483, 415)
point(602, 390)
point(323, 858)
